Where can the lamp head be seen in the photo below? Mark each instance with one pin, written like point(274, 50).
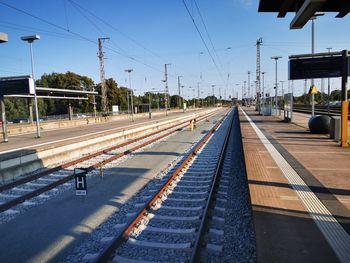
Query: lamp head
point(30, 39)
point(3, 37)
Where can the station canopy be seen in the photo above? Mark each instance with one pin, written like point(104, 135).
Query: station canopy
point(304, 9)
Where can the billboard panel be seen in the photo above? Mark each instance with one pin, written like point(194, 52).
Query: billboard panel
point(16, 86)
point(315, 68)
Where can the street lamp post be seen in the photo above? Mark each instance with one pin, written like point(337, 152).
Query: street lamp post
point(3, 39)
point(30, 40)
point(132, 94)
point(276, 58)
point(312, 52)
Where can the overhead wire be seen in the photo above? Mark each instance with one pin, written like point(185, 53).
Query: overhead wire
point(25, 28)
point(116, 29)
point(207, 32)
point(78, 8)
point(201, 36)
point(76, 34)
point(65, 13)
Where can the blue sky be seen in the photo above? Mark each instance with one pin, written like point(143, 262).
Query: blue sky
point(146, 34)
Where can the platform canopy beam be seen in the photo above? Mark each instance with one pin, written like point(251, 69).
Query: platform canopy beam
point(304, 9)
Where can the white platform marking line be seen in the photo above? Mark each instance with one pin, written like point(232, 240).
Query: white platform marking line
point(336, 236)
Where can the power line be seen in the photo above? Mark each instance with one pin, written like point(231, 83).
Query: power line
point(47, 22)
point(87, 18)
point(200, 34)
point(65, 13)
point(115, 29)
point(76, 34)
point(80, 10)
point(206, 30)
point(39, 30)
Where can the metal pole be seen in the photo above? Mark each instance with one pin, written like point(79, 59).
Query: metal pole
point(182, 98)
point(292, 101)
point(245, 91)
point(179, 87)
point(276, 103)
point(128, 98)
point(132, 101)
point(69, 111)
point(35, 97)
point(198, 94)
point(150, 105)
point(249, 86)
point(166, 89)
point(263, 91)
point(3, 119)
point(212, 87)
point(312, 51)
point(329, 87)
point(94, 102)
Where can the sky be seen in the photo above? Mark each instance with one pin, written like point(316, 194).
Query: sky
point(147, 34)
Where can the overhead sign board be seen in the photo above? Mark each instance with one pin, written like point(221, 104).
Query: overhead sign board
point(315, 68)
point(22, 85)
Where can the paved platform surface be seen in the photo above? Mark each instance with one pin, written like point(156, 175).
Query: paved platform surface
point(49, 232)
point(289, 222)
point(72, 134)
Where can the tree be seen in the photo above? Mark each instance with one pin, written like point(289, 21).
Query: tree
point(68, 80)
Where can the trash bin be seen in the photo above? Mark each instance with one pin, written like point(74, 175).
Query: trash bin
point(319, 124)
point(335, 129)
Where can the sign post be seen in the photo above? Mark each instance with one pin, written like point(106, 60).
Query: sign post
point(80, 181)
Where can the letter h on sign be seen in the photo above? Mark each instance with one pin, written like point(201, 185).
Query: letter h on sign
point(80, 181)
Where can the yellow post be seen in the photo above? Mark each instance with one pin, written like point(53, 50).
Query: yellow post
point(344, 123)
point(191, 125)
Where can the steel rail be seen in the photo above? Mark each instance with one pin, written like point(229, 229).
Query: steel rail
point(133, 222)
point(197, 248)
point(82, 159)
point(25, 197)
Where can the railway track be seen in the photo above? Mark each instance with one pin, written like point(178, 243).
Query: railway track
point(36, 185)
point(319, 110)
point(184, 210)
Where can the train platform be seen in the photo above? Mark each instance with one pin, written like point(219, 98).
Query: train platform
point(300, 190)
point(77, 133)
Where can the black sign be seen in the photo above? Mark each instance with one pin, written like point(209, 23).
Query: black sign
point(16, 86)
point(80, 181)
point(315, 68)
